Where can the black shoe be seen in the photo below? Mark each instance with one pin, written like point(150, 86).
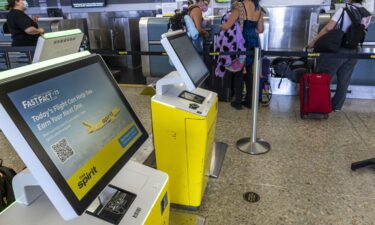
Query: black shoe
point(236, 105)
point(246, 104)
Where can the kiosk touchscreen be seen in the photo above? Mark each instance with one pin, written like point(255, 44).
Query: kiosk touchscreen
point(189, 64)
point(184, 121)
point(57, 44)
point(72, 126)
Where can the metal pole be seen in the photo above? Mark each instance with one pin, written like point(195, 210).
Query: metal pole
point(253, 145)
point(255, 94)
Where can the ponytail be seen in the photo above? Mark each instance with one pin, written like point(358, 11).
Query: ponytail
point(256, 3)
point(10, 5)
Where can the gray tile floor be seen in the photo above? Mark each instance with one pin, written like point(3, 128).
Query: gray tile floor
point(304, 179)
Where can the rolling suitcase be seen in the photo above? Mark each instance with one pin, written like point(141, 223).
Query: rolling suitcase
point(222, 86)
point(315, 96)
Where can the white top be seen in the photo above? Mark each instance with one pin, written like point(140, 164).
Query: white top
point(347, 22)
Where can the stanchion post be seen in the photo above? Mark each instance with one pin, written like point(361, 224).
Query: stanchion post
point(253, 145)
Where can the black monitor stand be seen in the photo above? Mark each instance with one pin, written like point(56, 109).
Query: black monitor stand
point(361, 164)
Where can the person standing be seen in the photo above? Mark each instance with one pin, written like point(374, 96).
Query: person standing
point(341, 68)
point(24, 30)
point(195, 11)
point(250, 16)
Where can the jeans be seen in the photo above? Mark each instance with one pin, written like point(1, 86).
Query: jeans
point(342, 69)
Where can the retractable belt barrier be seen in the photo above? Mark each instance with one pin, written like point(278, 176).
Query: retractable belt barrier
point(251, 52)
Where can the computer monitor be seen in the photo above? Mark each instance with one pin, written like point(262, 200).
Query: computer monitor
point(55, 12)
point(56, 44)
point(71, 125)
point(189, 64)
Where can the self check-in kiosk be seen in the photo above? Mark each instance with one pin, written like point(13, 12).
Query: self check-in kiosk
point(56, 44)
point(75, 131)
point(184, 121)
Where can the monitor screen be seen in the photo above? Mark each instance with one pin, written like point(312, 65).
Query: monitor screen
point(78, 123)
point(88, 3)
point(189, 57)
point(56, 44)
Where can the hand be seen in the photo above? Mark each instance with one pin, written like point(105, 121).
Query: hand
point(35, 18)
point(41, 30)
point(310, 45)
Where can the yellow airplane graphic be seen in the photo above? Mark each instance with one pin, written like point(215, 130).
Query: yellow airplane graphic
point(110, 117)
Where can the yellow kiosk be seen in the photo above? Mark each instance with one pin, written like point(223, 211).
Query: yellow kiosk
point(76, 175)
point(184, 122)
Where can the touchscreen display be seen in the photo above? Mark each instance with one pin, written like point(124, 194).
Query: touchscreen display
point(80, 121)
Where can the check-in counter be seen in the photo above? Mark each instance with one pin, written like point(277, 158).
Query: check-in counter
point(47, 23)
point(13, 57)
point(150, 31)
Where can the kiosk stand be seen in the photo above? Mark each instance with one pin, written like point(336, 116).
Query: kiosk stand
point(75, 131)
point(184, 123)
point(150, 191)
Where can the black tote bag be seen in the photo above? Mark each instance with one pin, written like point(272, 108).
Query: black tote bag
point(332, 40)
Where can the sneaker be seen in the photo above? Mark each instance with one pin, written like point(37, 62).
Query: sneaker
point(246, 104)
point(337, 110)
point(236, 105)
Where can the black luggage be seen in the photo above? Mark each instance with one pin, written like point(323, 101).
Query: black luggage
point(223, 86)
point(6, 190)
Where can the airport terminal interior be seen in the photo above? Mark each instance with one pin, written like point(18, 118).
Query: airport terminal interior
point(91, 98)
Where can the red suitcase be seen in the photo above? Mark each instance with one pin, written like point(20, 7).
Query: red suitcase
point(315, 95)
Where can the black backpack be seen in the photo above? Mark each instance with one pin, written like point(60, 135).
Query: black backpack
point(176, 22)
point(356, 33)
point(6, 190)
point(289, 67)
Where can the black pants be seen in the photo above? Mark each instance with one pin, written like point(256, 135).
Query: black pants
point(239, 80)
point(342, 69)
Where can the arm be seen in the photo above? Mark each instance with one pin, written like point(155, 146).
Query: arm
point(330, 25)
point(34, 31)
point(196, 15)
point(260, 24)
point(366, 21)
point(231, 20)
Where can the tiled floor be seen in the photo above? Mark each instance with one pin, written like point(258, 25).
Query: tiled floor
point(304, 179)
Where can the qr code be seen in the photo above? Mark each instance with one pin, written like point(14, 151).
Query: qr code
point(63, 150)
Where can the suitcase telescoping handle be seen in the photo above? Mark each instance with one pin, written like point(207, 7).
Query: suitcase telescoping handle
point(305, 90)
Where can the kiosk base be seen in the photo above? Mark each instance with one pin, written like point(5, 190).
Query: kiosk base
point(184, 125)
point(218, 155)
point(149, 207)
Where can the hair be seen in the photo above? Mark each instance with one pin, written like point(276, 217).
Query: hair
point(357, 1)
point(256, 3)
point(11, 4)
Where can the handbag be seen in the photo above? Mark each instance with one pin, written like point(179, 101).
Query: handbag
point(190, 28)
point(237, 65)
point(332, 40)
